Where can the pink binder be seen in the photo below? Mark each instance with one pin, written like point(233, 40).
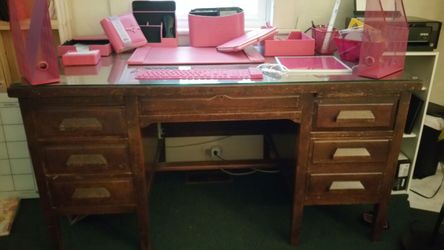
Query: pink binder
point(34, 44)
point(384, 42)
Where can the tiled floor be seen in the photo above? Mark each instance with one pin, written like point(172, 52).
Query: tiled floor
point(427, 186)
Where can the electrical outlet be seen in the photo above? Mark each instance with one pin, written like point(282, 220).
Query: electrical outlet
point(216, 152)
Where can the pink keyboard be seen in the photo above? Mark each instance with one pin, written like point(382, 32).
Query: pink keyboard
point(199, 74)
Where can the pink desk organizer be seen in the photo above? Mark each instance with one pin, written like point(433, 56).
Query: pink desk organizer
point(71, 58)
point(212, 31)
point(123, 32)
point(319, 36)
point(296, 44)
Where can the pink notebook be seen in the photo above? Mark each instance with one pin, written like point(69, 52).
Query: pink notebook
point(191, 55)
point(313, 65)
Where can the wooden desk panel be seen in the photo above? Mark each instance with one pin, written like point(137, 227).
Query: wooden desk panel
point(381, 105)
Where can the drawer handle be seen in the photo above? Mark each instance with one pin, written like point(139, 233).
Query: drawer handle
point(346, 185)
point(91, 193)
point(75, 124)
point(345, 153)
point(79, 160)
point(355, 115)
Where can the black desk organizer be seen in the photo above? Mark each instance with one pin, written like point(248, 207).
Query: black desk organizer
point(157, 20)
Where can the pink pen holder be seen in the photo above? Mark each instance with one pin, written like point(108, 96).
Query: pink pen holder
point(319, 35)
point(348, 50)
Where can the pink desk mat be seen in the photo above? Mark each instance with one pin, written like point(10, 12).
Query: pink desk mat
point(191, 55)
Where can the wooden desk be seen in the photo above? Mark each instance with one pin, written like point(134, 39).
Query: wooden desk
point(86, 144)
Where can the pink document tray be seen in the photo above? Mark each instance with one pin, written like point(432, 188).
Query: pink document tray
point(247, 39)
point(296, 44)
point(191, 55)
point(313, 65)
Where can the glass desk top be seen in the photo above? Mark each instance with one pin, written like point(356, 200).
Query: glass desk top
point(114, 70)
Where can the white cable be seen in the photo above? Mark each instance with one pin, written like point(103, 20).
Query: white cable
point(200, 143)
point(238, 174)
point(267, 171)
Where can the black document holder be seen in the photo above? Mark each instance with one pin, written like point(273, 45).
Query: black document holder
point(157, 19)
point(414, 109)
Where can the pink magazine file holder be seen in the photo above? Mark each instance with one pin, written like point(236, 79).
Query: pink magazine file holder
point(296, 44)
point(212, 31)
point(34, 44)
point(123, 32)
point(384, 42)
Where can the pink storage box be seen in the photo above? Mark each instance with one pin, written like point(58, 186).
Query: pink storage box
point(123, 32)
point(296, 44)
point(91, 57)
point(92, 43)
point(212, 31)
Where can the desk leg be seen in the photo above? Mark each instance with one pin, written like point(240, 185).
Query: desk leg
point(142, 220)
point(302, 152)
point(55, 231)
point(380, 218)
point(138, 166)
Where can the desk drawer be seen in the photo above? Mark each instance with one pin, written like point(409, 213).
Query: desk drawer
point(328, 152)
point(335, 114)
point(219, 104)
point(81, 121)
point(343, 188)
point(78, 191)
point(88, 158)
